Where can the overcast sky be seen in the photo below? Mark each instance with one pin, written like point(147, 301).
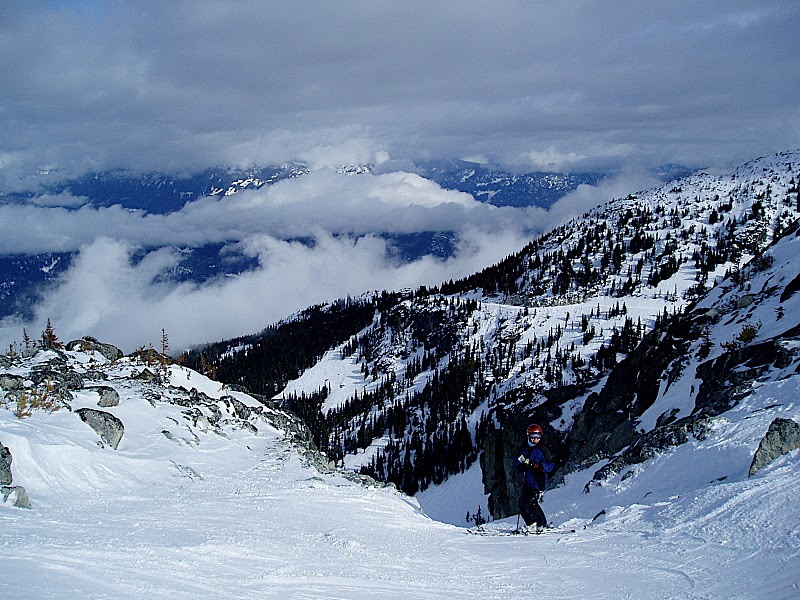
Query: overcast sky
point(564, 84)
point(89, 85)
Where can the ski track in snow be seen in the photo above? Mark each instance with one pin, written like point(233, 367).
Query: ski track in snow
point(272, 527)
point(242, 516)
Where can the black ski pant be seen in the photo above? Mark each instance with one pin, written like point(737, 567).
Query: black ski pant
point(529, 507)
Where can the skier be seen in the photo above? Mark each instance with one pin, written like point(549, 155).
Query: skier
point(534, 466)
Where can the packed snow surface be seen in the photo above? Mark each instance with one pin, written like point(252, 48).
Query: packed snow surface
point(242, 515)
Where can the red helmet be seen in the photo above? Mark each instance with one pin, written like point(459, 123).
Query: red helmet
point(534, 429)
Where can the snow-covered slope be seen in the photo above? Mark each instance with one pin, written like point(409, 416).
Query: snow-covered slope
point(226, 506)
point(535, 335)
point(215, 492)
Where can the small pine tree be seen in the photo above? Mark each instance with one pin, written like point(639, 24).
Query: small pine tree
point(164, 342)
point(50, 340)
point(27, 341)
point(164, 367)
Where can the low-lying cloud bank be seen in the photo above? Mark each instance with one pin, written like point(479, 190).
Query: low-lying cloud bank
point(321, 201)
point(109, 295)
point(106, 295)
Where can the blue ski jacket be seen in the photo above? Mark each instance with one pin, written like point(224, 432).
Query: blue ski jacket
point(535, 470)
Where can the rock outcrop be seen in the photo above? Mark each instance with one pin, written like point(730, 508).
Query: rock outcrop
point(5, 465)
point(108, 395)
point(782, 437)
point(729, 378)
point(651, 444)
point(16, 494)
point(106, 425)
point(89, 344)
point(608, 421)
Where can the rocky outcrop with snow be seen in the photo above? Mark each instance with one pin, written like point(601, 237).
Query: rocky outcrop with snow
point(13, 494)
point(136, 404)
point(782, 437)
point(107, 426)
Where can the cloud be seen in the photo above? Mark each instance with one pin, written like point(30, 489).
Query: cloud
point(115, 297)
point(182, 85)
point(65, 199)
point(396, 202)
point(108, 295)
point(552, 159)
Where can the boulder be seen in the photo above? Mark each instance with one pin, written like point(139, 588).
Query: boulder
point(108, 395)
point(89, 344)
point(11, 382)
point(106, 425)
point(5, 465)
point(17, 495)
point(782, 437)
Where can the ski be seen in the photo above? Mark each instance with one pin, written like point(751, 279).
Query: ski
point(518, 532)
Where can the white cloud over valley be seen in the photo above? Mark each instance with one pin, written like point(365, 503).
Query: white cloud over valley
point(111, 295)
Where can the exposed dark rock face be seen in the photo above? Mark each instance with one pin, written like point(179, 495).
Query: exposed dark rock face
point(607, 423)
point(789, 290)
point(727, 379)
point(106, 425)
point(652, 443)
point(782, 437)
point(5, 465)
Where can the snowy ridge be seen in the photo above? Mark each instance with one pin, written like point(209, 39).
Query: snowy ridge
point(561, 313)
point(228, 510)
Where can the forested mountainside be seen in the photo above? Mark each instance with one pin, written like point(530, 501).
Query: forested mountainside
point(439, 377)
